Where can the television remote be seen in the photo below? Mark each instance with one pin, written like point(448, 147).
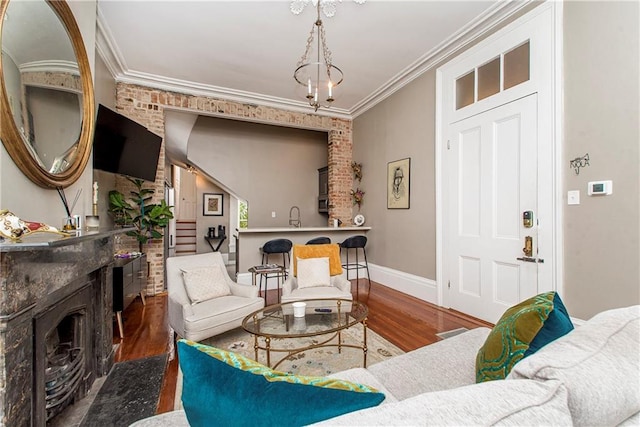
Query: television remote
point(323, 310)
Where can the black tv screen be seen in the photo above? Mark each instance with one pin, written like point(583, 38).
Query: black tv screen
point(123, 146)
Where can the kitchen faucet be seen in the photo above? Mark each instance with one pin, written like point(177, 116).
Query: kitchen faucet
point(295, 221)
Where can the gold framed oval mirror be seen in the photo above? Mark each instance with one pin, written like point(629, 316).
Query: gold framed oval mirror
point(47, 106)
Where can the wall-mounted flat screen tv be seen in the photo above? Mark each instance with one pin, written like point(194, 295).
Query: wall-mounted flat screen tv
point(123, 146)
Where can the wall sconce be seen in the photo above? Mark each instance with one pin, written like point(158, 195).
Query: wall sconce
point(579, 162)
point(191, 169)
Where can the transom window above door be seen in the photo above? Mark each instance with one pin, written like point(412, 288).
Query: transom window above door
point(505, 71)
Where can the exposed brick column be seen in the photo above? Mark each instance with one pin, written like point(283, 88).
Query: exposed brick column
point(146, 106)
point(135, 104)
point(340, 175)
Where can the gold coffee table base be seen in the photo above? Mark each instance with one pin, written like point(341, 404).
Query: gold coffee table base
point(323, 317)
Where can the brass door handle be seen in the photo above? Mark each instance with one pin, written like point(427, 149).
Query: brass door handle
point(528, 246)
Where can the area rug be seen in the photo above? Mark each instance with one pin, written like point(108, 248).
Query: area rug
point(130, 393)
point(316, 362)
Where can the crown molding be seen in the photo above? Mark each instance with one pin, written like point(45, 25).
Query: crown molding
point(108, 50)
point(53, 66)
point(199, 89)
point(477, 28)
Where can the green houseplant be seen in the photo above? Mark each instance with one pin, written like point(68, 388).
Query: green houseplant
point(146, 217)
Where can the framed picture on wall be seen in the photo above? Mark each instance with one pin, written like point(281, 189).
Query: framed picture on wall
point(212, 204)
point(398, 177)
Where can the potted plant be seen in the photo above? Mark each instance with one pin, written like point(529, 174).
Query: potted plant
point(146, 217)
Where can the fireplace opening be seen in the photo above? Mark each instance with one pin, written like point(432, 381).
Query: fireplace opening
point(65, 364)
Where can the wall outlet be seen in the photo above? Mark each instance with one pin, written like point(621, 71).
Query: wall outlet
point(273, 214)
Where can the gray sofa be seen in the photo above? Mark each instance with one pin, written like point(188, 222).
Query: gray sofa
point(590, 376)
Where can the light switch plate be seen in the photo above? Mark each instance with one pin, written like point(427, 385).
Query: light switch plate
point(273, 214)
point(573, 197)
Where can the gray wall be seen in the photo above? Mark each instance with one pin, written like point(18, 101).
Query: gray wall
point(105, 93)
point(601, 101)
point(203, 222)
point(399, 127)
point(17, 192)
point(601, 249)
point(273, 168)
point(105, 85)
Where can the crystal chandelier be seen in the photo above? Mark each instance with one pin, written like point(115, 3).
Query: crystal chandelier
point(320, 77)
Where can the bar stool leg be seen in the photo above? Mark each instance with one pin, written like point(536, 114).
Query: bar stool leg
point(357, 276)
point(366, 263)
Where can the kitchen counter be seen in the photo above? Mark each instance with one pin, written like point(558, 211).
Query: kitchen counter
point(250, 240)
point(300, 229)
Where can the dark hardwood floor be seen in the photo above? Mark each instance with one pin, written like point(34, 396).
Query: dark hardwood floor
point(406, 321)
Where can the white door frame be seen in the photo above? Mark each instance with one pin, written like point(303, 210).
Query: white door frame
point(546, 18)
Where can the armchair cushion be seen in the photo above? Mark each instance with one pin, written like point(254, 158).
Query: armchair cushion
point(313, 272)
point(332, 251)
point(205, 283)
point(225, 388)
point(340, 288)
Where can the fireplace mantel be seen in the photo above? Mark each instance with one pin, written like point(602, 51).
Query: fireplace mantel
point(34, 275)
point(44, 241)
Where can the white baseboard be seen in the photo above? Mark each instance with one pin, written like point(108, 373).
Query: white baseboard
point(416, 286)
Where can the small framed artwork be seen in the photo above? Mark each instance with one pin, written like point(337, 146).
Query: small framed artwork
point(212, 204)
point(398, 178)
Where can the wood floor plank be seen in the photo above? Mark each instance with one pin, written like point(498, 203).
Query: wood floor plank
point(406, 321)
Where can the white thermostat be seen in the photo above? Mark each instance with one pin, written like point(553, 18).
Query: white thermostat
point(600, 188)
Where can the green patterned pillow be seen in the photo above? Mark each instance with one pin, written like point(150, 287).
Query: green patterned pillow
point(521, 331)
point(225, 388)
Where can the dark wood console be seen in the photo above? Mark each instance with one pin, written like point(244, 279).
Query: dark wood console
point(129, 281)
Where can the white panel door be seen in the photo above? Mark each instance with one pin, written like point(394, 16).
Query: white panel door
point(491, 168)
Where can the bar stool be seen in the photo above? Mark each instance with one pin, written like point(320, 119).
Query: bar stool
point(275, 247)
point(319, 241)
point(356, 242)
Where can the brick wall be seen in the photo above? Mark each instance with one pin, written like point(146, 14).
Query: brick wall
point(146, 106)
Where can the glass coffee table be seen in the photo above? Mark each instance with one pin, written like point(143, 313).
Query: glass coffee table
point(322, 317)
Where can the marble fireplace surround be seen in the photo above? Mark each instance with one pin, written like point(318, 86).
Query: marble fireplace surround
point(34, 277)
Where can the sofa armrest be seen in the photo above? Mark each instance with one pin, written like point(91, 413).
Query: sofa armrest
point(246, 291)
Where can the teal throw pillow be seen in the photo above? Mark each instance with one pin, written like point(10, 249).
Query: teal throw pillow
point(521, 331)
point(225, 388)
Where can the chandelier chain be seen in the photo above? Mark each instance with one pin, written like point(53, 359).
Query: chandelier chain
point(326, 53)
point(315, 67)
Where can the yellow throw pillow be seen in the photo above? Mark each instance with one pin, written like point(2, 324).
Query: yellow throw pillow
point(331, 251)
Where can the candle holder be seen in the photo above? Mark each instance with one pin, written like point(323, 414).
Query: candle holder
point(93, 221)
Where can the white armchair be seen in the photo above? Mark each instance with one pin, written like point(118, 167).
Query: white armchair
point(340, 286)
point(211, 317)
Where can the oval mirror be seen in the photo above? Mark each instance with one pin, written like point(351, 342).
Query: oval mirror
point(47, 105)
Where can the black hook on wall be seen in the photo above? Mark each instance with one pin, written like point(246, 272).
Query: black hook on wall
point(579, 162)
